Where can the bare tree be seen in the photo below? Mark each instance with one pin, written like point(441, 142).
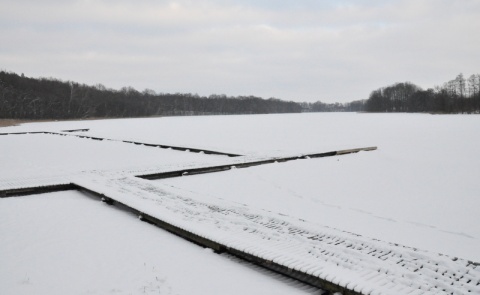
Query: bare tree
point(460, 85)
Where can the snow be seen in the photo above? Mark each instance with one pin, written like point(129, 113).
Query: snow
point(358, 193)
point(69, 243)
point(339, 257)
point(289, 133)
point(419, 189)
point(51, 155)
point(271, 135)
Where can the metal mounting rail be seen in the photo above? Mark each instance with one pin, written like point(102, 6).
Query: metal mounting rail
point(25, 191)
point(219, 168)
point(53, 187)
point(163, 146)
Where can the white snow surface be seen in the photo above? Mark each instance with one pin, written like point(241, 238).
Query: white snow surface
point(69, 243)
point(33, 155)
point(348, 260)
point(375, 194)
point(419, 189)
point(271, 135)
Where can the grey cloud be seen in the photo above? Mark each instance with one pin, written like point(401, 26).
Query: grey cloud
point(315, 50)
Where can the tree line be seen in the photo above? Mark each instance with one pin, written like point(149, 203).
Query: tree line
point(354, 106)
point(459, 95)
point(49, 98)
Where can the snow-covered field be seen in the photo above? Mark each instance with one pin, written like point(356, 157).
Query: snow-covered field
point(51, 155)
point(419, 189)
point(376, 194)
point(69, 243)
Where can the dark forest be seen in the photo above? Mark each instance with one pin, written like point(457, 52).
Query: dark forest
point(459, 95)
point(49, 98)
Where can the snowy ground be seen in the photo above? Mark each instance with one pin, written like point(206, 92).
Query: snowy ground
point(419, 189)
point(69, 243)
point(51, 155)
point(252, 134)
point(361, 193)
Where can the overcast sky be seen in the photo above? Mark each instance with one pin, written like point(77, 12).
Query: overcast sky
point(302, 50)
